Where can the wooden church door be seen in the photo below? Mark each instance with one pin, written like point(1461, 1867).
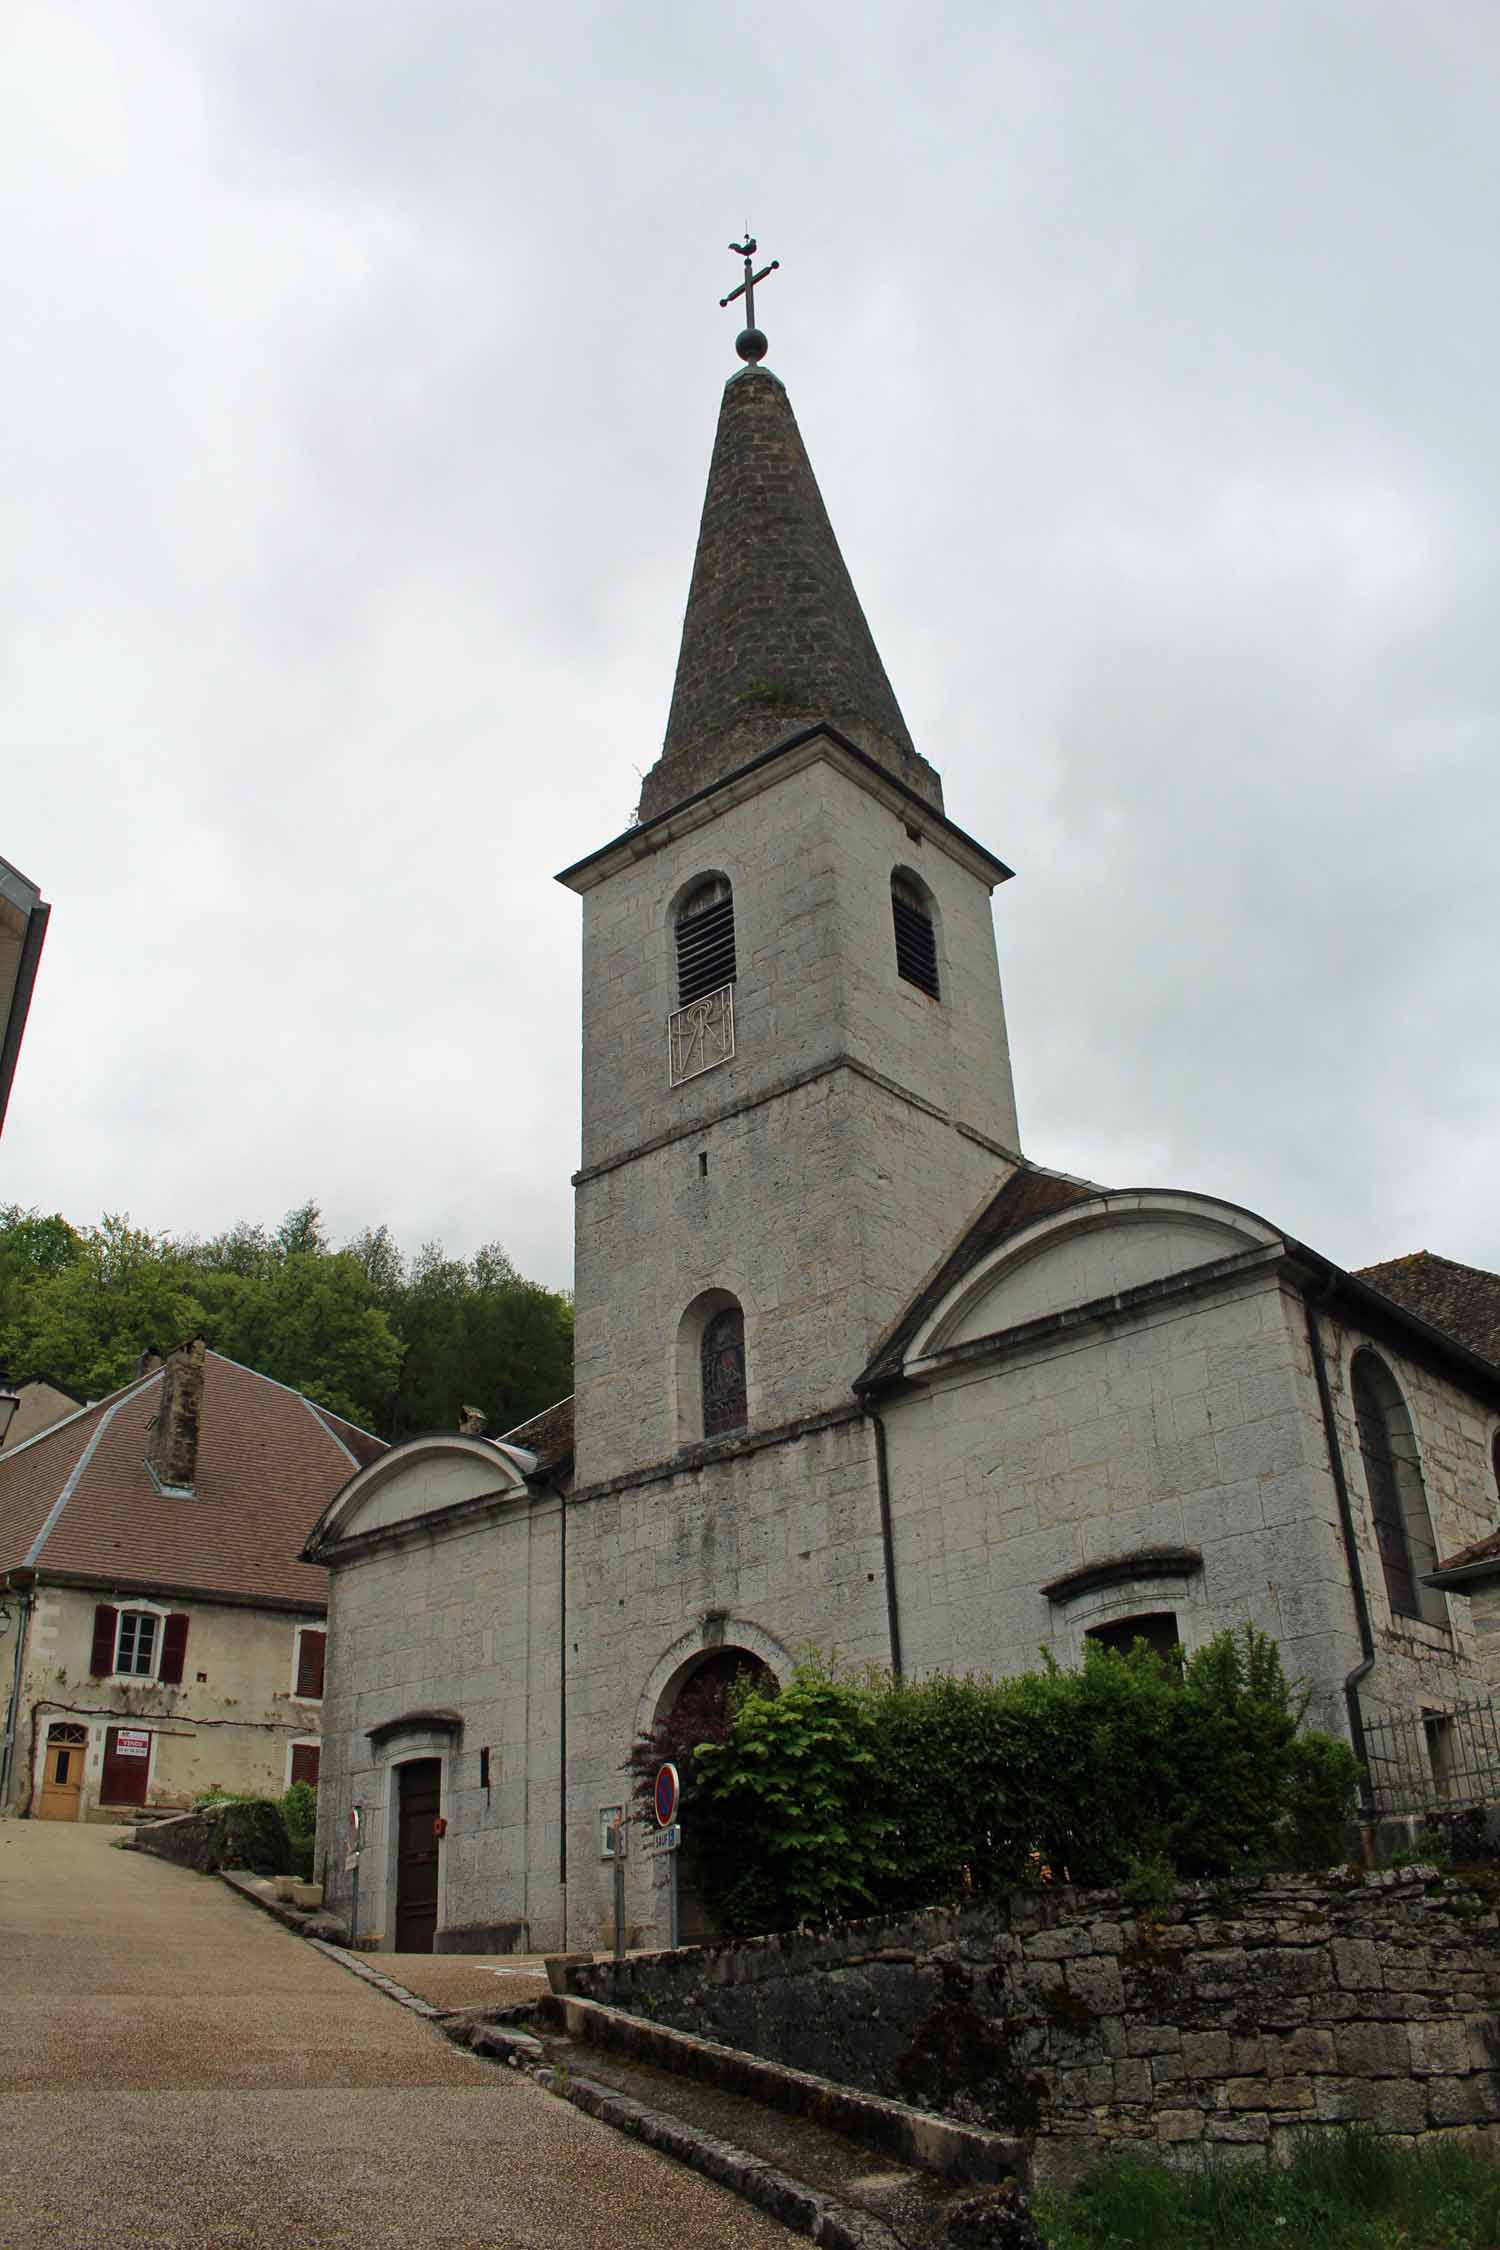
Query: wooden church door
point(420, 1785)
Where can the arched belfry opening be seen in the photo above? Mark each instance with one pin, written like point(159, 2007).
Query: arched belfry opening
point(696, 1705)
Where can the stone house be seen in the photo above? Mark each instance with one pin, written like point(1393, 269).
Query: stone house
point(162, 1636)
point(851, 1370)
point(26, 1409)
point(24, 915)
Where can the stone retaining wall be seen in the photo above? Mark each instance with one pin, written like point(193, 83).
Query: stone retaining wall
point(1248, 2012)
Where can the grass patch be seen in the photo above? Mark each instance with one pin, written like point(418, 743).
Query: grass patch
point(1346, 2191)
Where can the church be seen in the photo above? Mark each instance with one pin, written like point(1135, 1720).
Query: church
point(852, 1372)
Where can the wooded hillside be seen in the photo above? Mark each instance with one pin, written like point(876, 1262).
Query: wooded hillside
point(395, 1344)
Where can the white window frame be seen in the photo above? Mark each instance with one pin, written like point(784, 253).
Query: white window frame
point(315, 1700)
point(161, 1613)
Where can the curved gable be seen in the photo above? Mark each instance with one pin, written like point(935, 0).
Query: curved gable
point(1093, 1251)
point(425, 1477)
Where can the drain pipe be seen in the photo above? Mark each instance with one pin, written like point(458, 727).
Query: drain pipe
point(7, 1745)
point(562, 1714)
point(887, 1540)
point(1366, 1665)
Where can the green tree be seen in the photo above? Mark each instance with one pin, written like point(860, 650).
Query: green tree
point(86, 1321)
point(798, 1774)
point(476, 1334)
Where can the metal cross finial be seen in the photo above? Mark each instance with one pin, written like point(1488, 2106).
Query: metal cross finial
point(750, 343)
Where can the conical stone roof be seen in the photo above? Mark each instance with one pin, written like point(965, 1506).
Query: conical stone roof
point(774, 639)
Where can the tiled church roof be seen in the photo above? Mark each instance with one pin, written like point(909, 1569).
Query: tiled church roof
point(78, 1501)
point(1464, 1301)
point(549, 1435)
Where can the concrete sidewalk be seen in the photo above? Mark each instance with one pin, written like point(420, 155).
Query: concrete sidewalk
point(181, 2070)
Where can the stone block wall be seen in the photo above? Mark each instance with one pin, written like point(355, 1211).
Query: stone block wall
point(1253, 2012)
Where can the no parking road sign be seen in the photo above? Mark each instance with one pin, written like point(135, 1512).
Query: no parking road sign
point(667, 1791)
point(668, 1837)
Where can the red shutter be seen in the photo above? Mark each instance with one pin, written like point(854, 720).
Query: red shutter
point(310, 1665)
point(102, 1655)
point(305, 1763)
point(173, 1647)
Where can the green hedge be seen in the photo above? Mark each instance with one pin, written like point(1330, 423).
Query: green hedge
point(855, 1794)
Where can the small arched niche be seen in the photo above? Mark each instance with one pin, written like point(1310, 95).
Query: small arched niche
point(712, 1379)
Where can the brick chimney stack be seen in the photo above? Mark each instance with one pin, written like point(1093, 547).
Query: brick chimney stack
point(172, 1453)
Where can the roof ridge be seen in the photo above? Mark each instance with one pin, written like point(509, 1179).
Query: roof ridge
point(316, 1410)
point(111, 1399)
point(72, 1481)
point(1437, 1258)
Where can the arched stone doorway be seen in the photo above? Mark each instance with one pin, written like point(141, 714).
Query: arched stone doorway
point(693, 1705)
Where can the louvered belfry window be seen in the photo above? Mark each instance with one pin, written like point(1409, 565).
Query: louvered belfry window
point(724, 1400)
point(916, 939)
point(705, 940)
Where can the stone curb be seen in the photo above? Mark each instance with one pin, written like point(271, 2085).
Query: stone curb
point(243, 1885)
point(796, 2205)
point(387, 1985)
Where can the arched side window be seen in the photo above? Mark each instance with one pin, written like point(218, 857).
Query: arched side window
point(705, 939)
point(1393, 1478)
point(916, 934)
point(721, 1358)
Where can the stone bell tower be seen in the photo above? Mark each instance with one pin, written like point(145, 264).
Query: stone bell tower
point(796, 1083)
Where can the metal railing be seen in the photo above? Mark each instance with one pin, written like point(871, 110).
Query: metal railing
point(1434, 1761)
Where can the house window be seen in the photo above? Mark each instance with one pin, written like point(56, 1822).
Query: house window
point(1398, 1501)
point(139, 1644)
point(303, 1764)
point(1157, 1628)
point(705, 940)
point(307, 1680)
point(916, 936)
point(136, 1648)
point(722, 1355)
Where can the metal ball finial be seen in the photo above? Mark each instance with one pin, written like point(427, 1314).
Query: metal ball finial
point(751, 345)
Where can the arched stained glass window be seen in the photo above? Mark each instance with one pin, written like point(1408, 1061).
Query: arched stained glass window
point(1398, 1502)
point(723, 1358)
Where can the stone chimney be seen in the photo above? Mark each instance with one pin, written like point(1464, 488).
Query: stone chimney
point(470, 1421)
point(172, 1453)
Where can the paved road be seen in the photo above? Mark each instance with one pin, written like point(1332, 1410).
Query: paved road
point(179, 2071)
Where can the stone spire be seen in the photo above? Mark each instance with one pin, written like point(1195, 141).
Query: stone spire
point(774, 639)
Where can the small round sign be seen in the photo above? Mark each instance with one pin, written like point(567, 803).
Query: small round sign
point(666, 1795)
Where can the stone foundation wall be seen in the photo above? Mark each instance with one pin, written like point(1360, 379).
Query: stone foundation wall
point(1248, 2012)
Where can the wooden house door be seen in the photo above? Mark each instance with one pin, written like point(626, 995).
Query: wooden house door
point(420, 1785)
point(127, 1763)
point(62, 1772)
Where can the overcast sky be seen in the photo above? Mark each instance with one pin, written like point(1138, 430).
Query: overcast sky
point(362, 364)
